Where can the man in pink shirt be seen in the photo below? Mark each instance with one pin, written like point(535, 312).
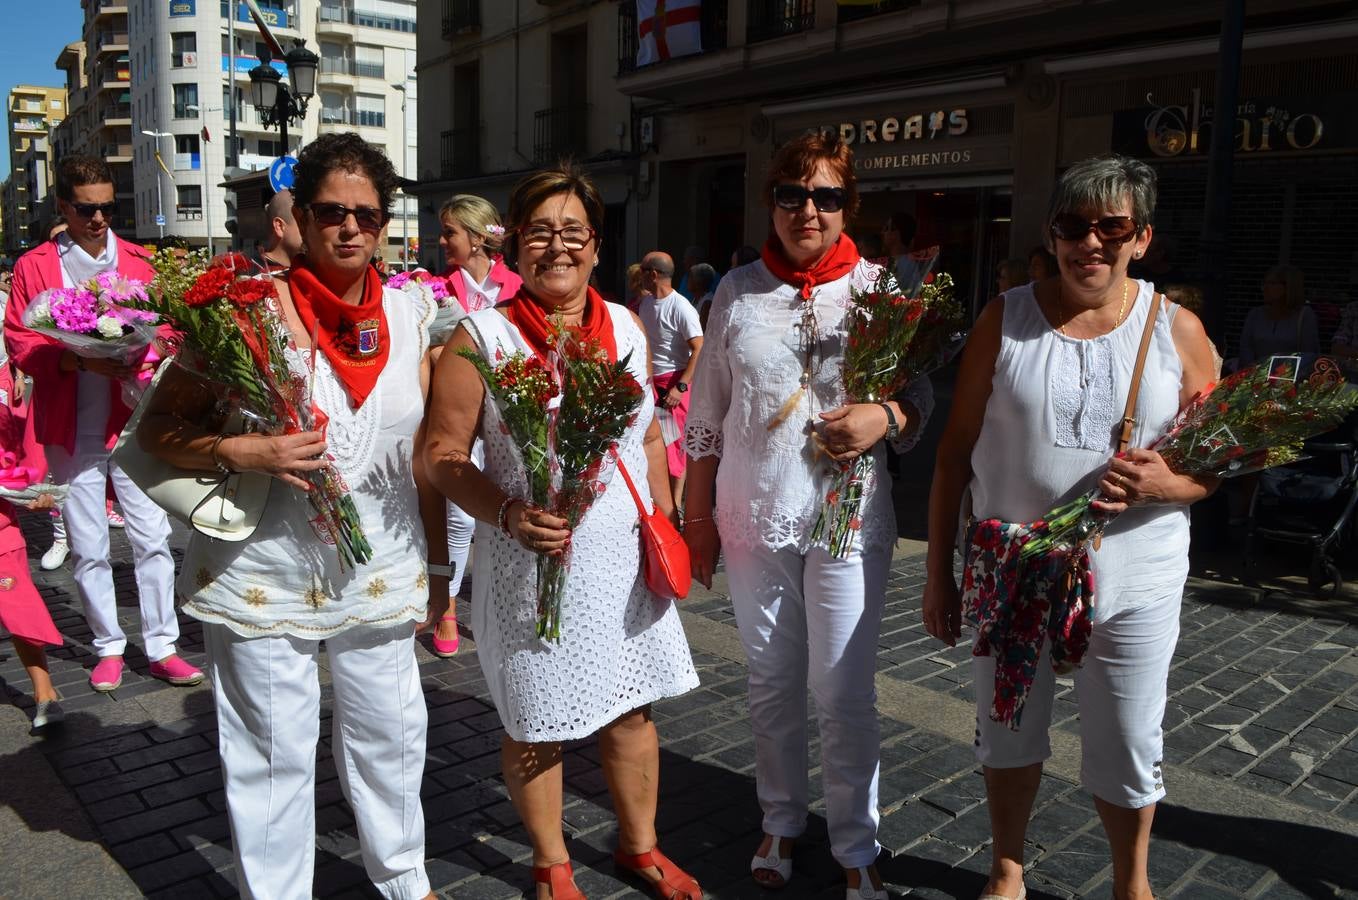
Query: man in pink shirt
point(78, 414)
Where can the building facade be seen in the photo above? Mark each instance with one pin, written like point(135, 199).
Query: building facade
point(507, 87)
point(167, 114)
point(960, 113)
point(32, 112)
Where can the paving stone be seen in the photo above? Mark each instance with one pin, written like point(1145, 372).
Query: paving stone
point(1078, 862)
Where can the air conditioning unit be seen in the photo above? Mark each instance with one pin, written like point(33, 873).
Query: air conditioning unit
point(189, 58)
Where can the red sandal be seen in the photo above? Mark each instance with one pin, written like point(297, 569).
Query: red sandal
point(674, 883)
point(560, 880)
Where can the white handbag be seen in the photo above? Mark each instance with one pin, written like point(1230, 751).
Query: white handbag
point(221, 506)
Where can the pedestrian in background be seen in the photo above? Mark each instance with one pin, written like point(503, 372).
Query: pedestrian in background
point(1284, 323)
point(768, 393)
point(674, 334)
point(703, 278)
point(1045, 374)
point(78, 413)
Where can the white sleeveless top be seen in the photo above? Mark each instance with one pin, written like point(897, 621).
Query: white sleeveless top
point(621, 646)
point(285, 579)
point(1050, 429)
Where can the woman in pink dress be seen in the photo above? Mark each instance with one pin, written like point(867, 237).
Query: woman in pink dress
point(22, 612)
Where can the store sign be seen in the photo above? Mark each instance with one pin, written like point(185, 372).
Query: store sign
point(182, 7)
point(273, 17)
point(931, 161)
point(891, 130)
point(1261, 125)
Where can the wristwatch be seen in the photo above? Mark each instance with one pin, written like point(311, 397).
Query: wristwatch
point(893, 430)
point(683, 388)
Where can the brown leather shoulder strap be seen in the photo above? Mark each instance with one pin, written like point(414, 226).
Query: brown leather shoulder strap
point(1129, 414)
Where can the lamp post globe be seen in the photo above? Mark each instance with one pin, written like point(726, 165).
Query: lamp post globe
point(302, 65)
point(264, 85)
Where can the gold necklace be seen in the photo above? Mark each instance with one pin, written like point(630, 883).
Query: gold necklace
point(1061, 305)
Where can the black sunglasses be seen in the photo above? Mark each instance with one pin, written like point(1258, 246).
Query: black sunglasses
point(794, 197)
point(1112, 230)
point(367, 217)
point(87, 210)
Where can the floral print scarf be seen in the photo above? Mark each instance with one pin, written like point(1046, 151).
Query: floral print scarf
point(1015, 605)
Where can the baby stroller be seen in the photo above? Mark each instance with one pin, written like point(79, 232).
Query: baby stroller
point(1311, 503)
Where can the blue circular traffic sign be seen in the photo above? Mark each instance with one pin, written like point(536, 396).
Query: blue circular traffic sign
point(281, 176)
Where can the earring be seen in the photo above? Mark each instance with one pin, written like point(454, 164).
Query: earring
point(1138, 254)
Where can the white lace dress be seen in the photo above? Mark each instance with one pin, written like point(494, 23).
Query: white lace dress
point(621, 646)
point(769, 484)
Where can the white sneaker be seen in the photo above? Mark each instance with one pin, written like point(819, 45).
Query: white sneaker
point(55, 556)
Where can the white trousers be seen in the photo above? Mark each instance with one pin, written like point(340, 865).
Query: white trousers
point(148, 531)
point(460, 528)
point(812, 619)
point(1121, 692)
point(268, 718)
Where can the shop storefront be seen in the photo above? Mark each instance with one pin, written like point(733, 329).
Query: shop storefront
point(1295, 184)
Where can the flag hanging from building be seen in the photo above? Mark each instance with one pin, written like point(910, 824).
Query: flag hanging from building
point(668, 28)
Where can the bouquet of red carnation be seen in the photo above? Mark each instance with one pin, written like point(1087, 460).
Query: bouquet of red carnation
point(891, 339)
point(1254, 419)
point(230, 331)
point(563, 419)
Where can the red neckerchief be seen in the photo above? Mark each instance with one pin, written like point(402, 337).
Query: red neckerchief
point(355, 338)
point(841, 259)
point(531, 320)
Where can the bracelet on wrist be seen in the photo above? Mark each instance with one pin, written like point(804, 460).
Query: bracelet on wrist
point(693, 520)
point(439, 571)
point(502, 517)
point(217, 460)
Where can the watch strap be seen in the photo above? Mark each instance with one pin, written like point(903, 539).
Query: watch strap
point(893, 428)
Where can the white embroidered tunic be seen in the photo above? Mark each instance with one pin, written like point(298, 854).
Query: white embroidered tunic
point(285, 579)
point(621, 646)
point(770, 483)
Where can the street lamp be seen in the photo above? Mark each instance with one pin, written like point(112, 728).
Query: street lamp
point(207, 181)
point(160, 205)
point(405, 201)
point(277, 104)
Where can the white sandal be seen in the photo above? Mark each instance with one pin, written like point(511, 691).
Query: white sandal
point(782, 865)
point(865, 890)
point(1022, 895)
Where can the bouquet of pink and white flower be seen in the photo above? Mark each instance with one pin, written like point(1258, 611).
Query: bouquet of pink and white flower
point(434, 288)
point(96, 318)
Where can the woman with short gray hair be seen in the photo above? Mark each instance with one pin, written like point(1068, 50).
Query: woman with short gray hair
point(1043, 381)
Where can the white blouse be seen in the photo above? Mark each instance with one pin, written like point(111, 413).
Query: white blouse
point(286, 579)
point(770, 482)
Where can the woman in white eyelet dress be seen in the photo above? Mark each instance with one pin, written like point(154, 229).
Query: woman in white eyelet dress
point(615, 654)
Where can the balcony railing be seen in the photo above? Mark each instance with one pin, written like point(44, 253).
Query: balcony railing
point(460, 152)
point(341, 65)
point(776, 18)
point(559, 132)
point(712, 25)
point(461, 16)
point(338, 115)
point(854, 13)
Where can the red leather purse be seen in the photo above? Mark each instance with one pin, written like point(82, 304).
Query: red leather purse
point(664, 555)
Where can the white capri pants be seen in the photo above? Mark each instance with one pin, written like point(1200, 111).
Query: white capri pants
point(461, 527)
point(813, 619)
point(1121, 691)
point(268, 719)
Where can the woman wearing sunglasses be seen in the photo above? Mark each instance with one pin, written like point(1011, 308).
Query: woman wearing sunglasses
point(621, 647)
point(768, 415)
point(1043, 384)
point(268, 602)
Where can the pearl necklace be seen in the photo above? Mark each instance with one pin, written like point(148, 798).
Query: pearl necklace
point(1061, 305)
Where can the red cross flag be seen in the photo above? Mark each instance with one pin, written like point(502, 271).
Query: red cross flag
point(668, 28)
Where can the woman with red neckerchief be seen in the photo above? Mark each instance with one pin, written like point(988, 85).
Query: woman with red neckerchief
point(621, 646)
point(768, 403)
point(268, 602)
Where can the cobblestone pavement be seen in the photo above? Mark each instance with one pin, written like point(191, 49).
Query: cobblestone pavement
point(1262, 770)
